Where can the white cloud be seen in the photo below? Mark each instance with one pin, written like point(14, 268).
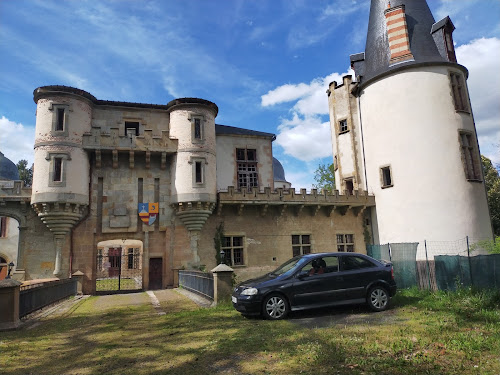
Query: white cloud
point(16, 140)
point(306, 136)
point(481, 57)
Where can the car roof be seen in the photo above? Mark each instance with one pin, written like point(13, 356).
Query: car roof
point(337, 253)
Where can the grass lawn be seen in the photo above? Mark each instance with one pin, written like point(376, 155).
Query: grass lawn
point(112, 284)
point(442, 333)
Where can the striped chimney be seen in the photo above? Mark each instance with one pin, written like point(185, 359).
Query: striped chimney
point(397, 33)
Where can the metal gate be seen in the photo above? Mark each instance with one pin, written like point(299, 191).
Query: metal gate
point(119, 269)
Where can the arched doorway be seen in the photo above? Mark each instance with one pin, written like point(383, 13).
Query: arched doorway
point(9, 243)
point(119, 266)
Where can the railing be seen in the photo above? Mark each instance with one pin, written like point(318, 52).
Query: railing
point(198, 282)
point(36, 296)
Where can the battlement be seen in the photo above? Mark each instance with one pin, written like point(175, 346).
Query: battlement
point(329, 201)
point(113, 140)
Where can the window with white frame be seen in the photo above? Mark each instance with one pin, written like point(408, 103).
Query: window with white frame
point(470, 156)
point(233, 247)
point(345, 243)
point(247, 168)
point(343, 127)
point(301, 244)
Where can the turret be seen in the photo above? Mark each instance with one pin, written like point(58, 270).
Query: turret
point(60, 191)
point(192, 122)
point(414, 139)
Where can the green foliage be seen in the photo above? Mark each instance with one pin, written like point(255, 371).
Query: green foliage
point(492, 246)
point(325, 177)
point(218, 241)
point(25, 174)
point(492, 182)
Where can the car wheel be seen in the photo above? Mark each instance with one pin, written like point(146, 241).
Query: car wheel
point(275, 307)
point(378, 298)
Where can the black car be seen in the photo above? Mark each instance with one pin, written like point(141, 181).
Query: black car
point(317, 280)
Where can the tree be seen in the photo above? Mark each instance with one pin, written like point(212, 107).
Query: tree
point(492, 182)
point(218, 242)
point(25, 174)
point(325, 177)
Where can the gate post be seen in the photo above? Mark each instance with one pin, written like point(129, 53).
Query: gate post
point(223, 286)
point(9, 300)
point(78, 275)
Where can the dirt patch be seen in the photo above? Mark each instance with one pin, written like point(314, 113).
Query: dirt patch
point(171, 301)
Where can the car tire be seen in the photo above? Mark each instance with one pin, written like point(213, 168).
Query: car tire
point(275, 307)
point(378, 298)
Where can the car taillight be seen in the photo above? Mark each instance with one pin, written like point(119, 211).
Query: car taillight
point(392, 273)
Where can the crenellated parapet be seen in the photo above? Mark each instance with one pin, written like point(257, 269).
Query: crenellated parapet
point(113, 139)
point(290, 200)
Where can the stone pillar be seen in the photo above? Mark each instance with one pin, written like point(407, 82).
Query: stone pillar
point(78, 275)
point(223, 285)
point(9, 302)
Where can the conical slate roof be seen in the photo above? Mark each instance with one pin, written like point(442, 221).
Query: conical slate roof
point(8, 170)
point(422, 45)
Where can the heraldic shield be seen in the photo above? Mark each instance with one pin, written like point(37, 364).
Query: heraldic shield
point(148, 212)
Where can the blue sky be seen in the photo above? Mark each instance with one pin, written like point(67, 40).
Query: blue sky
point(265, 63)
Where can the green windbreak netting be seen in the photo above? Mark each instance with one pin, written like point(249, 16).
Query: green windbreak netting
point(452, 271)
point(404, 261)
point(380, 252)
point(486, 271)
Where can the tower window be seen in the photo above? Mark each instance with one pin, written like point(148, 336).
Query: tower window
point(345, 242)
point(349, 186)
point(60, 119)
point(343, 126)
point(458, 92)
point(198, 172)
point(57, 174)
point(131, 128)
point(470, 156)
point(386, 177)
point(197, 128)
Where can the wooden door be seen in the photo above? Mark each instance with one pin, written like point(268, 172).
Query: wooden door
point(114, 259)
point(155, 273)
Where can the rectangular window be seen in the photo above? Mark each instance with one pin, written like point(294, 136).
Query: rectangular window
point(349, 186)
point(470, 156)
point(3, 226)
point(343, 126)
point(458, 92)
point(301, 244)
point(131, 128)
point(345, 243)
point(247, 168)
point(197, 128)
point(57, 176)
point(386, 177)
point(60, 119)
point(198, 172)
point(133, 259)
point(99, 260)
point(233, 250)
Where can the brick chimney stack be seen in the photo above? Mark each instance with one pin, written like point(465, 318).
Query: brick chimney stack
point(397, 34)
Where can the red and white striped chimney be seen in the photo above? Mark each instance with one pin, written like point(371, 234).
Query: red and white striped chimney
point(397, 33)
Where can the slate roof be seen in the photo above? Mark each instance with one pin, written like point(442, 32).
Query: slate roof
point(420, 22)
point(232, 130)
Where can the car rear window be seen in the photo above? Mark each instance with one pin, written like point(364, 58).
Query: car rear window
point(350, 262)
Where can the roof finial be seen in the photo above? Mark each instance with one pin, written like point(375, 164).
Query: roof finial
point(388, 4)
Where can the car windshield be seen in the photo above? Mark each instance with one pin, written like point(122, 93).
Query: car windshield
point(288, 266)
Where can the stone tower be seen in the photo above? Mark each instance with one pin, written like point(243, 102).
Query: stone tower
point(404, 129)
point(60, 190)
point(194, 184)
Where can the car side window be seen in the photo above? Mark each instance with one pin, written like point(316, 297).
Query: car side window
point(332, 264)
point(355, 263)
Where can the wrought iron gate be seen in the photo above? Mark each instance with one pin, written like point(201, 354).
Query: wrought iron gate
point(118, 269)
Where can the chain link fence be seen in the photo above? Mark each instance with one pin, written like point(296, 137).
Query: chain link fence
point(441, 265)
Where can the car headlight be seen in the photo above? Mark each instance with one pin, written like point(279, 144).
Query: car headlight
point(249, 292)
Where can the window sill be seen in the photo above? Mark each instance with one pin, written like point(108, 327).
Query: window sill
point(345, 131)
point(466, 111)
point(238, 266)
point(474, 180)
point(387, 186)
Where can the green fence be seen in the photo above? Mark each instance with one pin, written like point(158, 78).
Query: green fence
point(440, 265)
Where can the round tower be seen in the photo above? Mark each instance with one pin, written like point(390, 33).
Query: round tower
point(419, 139)
point(194, 185)
point(60, 190)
